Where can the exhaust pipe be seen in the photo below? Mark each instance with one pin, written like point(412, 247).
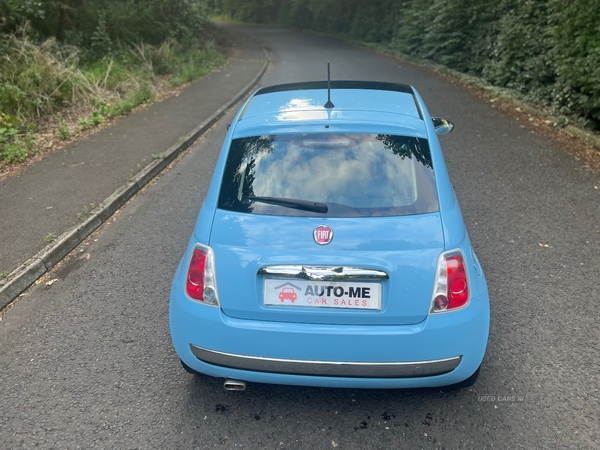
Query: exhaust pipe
point(234, 385)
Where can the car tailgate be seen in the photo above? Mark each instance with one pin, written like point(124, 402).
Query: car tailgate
point(270, 268)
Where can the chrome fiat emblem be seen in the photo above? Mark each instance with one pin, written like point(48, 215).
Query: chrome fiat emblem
point(323, 234)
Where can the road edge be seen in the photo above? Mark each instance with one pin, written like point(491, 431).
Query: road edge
point(32, 269)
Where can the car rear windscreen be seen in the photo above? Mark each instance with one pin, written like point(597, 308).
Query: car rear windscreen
point(333, 175)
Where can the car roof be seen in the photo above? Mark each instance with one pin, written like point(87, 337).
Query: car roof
point(359, 106)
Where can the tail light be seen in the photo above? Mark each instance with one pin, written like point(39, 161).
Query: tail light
point(200, 283)
point(451, 290)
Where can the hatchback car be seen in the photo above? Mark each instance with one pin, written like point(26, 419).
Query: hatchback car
point(330, 249)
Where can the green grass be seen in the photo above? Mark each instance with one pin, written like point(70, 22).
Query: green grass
point(15, 146)
point(50, 237)
point(40, 79)
point(112, 73)
point(195, 64)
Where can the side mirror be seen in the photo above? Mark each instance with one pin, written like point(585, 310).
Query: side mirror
point(442, 126)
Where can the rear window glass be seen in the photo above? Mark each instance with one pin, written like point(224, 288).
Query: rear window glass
point(334, 175)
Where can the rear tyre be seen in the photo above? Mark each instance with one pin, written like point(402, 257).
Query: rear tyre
point(465, 383)
point(188, 369)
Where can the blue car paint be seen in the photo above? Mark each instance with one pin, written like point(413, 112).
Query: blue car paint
point(374, 101)
point(406, 247)
point(437, 337)
point(458, 333)
point(343, 123)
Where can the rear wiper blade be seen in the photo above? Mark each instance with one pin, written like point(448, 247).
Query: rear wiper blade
point(304, 205)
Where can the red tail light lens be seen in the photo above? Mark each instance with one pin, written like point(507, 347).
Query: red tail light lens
point(200, 282)
point(451, 285)
point(458, 289)
point(195, 278)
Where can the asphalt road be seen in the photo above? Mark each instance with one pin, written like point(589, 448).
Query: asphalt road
point(87, 362)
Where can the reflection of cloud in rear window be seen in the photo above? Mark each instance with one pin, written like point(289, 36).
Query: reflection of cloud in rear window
point(368, 174)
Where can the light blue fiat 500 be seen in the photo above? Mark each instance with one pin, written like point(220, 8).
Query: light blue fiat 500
point(330, 249)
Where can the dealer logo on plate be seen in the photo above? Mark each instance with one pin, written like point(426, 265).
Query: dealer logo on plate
point(323, 234)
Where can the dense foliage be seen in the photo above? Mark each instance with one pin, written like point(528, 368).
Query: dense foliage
point(105, 54)
point(548, 50)
point(86, 23)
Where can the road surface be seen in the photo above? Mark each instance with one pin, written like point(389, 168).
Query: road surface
point(87, 362)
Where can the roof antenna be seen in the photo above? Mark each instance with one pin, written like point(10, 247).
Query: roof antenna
point(328, 105)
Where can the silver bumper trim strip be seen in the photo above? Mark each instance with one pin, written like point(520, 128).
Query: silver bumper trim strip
point(327, 368)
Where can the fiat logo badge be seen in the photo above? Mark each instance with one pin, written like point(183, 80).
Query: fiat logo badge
point(323, 235)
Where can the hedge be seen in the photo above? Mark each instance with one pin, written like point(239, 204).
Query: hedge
point(547, 50)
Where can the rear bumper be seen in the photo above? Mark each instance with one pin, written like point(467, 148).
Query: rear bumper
point(327, 368)
point(444, 349)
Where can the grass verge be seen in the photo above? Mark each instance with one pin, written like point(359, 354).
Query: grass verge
point(50, 93)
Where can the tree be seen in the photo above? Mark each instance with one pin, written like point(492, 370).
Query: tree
point(16, 12)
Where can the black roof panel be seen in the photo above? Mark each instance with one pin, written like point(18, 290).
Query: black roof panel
point(339, 84)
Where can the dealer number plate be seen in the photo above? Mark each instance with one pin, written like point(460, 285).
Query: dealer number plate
point(328, 294)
